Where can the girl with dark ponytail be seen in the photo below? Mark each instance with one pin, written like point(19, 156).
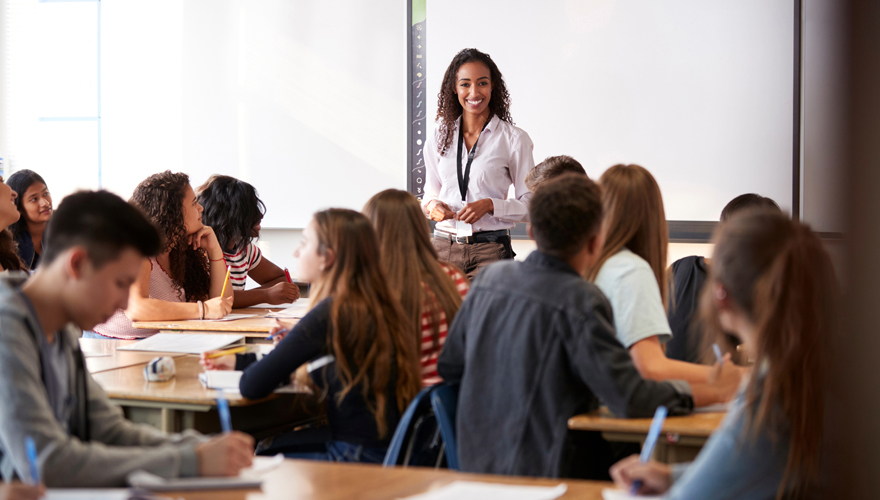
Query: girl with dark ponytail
point(771, 285)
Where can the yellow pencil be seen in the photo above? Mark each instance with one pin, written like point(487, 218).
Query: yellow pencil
point(227, 352)
point(225, 281)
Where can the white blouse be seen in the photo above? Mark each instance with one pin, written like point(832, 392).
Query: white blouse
point(503, 158)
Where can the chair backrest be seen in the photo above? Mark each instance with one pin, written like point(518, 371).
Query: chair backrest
point(444, 401)
point(412, 423)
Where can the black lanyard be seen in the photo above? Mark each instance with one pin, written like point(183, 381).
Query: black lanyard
point(464, 178)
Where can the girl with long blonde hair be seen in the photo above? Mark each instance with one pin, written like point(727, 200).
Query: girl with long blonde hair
point(772, 285)
point(356, 337)
point(631, 272)
point(429, 290)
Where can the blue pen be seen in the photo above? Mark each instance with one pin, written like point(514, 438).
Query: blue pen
point(718, 355)
point(223, 410)
point(279, 332)
point(650, 442)
point(31, 448)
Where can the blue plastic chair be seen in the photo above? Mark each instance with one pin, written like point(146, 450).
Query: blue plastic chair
point(415, 413)
point(444, 401)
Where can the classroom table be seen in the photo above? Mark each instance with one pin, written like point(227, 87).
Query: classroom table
point(307, 480)
point(254, 330)
point(184, 403)
point(681, 440)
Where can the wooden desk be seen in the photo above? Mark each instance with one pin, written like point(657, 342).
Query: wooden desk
point(684, 436)
point(305, 480)
point(252, 329)
point(116, 359)
point(184, 403)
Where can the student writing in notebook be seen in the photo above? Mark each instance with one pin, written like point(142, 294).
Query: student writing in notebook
point(34, 202)
point(9, 214)
point(534, 345)
point(186, 279)
point(96, 245)
point(631, 272)
point(772, 285)
point(234, 211)
point(357, 320)
point(429, 290)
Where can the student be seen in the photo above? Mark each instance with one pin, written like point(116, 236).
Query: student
point(631, 272)
point(534, 345)
point(34, 203)
point(356, 320)
point(473, 109)
point(185, 280)
point(234, 211)
point(96, 245)
point(9, 214)
point(772, 285)
point(551, 168)
point(19, 491)
point(430, 291)
point(688, 276)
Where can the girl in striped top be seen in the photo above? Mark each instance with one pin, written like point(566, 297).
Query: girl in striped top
point(234, 210)
point(430, 291)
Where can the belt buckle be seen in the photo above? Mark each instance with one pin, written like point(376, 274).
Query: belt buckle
point(463, 239)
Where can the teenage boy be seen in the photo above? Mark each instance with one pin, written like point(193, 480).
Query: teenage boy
point(533, 345)
point(95, 245)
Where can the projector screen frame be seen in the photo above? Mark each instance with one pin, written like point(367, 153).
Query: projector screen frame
point(680, 231)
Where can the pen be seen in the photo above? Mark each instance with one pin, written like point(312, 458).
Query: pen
point(225, 281)
point(650, 442)
point(718, 354)
point(31, 449)
point(279, 332)
point(287, 274)
point(223, 410)
point(227, 352)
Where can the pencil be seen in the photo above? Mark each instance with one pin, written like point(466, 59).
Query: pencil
point(225, 281)
point(234, 350)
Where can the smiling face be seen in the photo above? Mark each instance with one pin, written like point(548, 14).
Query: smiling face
point(473, 83)
point(37, 203)
point(192, 211)
point(8, 213)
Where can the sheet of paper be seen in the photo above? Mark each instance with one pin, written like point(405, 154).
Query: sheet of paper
point(261, 465)
point(470, 490)
point(232, 317)
point(609, 494)
point(463, 229)
point(87, 354)
point(297, 310)
point(188, 343)
point(270, 306)
point(150, 482)
point(87, 494)
point(716, 408)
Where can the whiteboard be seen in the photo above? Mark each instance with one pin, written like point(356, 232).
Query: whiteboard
point(699, 93)
point(305, 100)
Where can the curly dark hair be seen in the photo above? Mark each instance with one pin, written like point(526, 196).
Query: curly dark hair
point(448, 107)
point(232, 208)
point(20, 181)
point(160, 196)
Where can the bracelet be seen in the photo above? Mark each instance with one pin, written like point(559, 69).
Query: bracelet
point(216, 260)
point(201, 310)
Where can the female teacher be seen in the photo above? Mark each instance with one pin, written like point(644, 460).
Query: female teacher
point(472, 160)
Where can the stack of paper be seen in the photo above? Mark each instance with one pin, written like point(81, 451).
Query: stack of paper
point(469, 490)
point(187, 343)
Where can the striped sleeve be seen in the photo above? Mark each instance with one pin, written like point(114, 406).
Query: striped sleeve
point(430, 351)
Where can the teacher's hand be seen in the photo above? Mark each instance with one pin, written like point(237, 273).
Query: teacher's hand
point(439, 211)
point(472, 212)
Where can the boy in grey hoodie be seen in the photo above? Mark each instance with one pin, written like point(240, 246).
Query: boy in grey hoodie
point(95, 244)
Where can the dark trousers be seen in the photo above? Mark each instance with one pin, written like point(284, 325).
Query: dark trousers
point(470, 258)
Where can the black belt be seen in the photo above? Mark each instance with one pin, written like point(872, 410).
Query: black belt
point(500, 236)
